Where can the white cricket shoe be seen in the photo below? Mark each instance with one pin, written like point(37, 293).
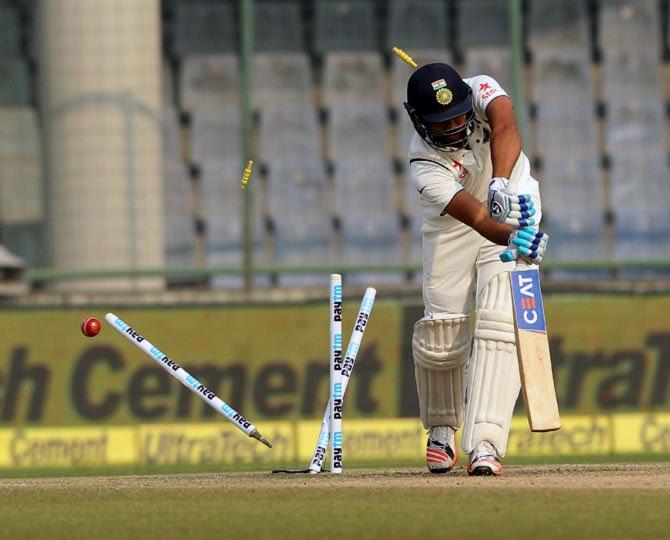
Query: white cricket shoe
point(484, 461)
point(441, 453)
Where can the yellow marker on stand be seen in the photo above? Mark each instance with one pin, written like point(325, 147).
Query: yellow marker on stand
point(246, 174)
point(404, 56)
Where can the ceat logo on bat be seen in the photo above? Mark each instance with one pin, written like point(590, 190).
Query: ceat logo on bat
point(528, 300)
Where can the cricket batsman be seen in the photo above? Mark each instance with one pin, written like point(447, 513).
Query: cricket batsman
point(478, 200)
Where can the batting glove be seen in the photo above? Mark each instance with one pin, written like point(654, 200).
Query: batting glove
point(528, 244)
point(506, 207)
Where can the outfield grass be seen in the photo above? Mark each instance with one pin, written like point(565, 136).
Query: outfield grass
point(393, 505)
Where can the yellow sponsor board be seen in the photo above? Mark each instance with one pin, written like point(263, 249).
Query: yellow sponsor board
point(642, 433)
point(381, 440)
point(67, 447)
point(579, 435)
point(369, 440)
point(210, 444)
point(270, 362)
point(611, 354)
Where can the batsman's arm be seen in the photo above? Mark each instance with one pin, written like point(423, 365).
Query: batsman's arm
point(465, 208)
point(505, 137)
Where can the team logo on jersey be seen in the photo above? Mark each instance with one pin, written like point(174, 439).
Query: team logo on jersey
point(444, 96)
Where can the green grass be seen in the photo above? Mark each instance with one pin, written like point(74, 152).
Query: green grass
point(436, 512)
point(557, 504)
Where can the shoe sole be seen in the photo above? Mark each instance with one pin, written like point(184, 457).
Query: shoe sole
point(484, 470)
point(440, 471)
point(481, 471)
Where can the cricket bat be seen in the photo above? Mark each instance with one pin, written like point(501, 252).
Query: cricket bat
point(532, 344)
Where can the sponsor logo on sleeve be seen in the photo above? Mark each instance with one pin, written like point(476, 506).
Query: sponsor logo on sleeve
point(486, 91)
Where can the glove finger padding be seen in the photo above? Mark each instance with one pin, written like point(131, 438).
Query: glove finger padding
point(529, 243)
point(517, 211)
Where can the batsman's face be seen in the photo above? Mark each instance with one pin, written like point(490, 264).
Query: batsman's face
point(449, 129)
point(450, 134)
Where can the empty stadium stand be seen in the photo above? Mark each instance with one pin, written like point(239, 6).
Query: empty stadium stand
point(330, 136)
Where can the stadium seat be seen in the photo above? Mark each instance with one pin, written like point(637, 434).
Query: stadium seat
point(372, 239)
point(289, 145)
point(281, 79)
point(353, 93)
point(210, 80)
point(167, 86)
point(9, 33)
point(358, 131)
point(278, 26)
point(216, 134)
point(631, 44)
point(299, 208)
point(204, 27)
point(630, 24)
point(576, 239)
point(417, 25)
point(345, 25)
point(563, 94)
point(363, 176)
point(642, 237)
point(220, 190)
point(632, 75)
point(572, 204)
point(288, 134)
point(493, 61)
point(179, 218)
point(558, 25)
point(363, 185)
point(639, 185)
point(635, 126)
point(301, 239)
point(359, 146)
point(221, 208)
point(571, 183)
point(15, 87)
point(356, 78)
point(476, 30)
point(297, 184)
point(484, 41)
point(365, 205)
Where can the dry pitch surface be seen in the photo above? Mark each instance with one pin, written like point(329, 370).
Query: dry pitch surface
point(538, 501)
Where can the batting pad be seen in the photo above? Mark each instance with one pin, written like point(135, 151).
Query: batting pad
point(493, 371)
point(441, 348)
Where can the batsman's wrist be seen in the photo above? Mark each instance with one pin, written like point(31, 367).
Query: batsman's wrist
point(498, 183)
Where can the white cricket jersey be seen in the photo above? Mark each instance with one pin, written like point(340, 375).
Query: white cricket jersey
point(438, 175)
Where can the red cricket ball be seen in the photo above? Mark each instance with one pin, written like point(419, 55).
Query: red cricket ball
point(90, 327)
